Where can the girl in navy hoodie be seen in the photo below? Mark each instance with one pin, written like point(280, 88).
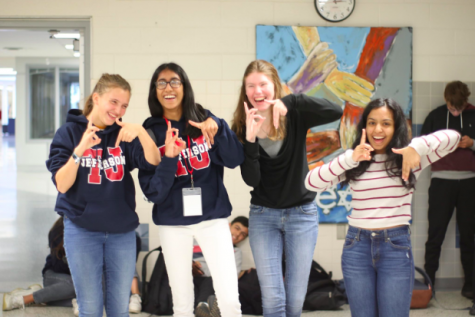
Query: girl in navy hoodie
point(91, 157)
point(187, 188)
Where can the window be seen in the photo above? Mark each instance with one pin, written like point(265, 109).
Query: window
point(53, 92)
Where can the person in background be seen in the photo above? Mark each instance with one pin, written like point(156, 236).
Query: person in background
point(452, 183)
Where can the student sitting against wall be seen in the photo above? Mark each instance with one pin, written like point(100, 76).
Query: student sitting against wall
point(58, 285)
point(205, 301)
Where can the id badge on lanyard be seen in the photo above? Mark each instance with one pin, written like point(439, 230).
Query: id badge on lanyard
point(192, 202)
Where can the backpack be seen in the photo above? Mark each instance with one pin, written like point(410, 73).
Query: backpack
point(156, 293)
point(323, 293)
point(250, 293)
point(422, 292)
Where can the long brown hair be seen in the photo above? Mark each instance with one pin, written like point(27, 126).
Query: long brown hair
point(58, 230)
point(106, 82)
point(239, 117)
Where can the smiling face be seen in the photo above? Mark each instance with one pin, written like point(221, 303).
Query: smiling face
point(380, 128)
point(170, 98)
point(259, 87)
point(239, 232)
point(109, 106)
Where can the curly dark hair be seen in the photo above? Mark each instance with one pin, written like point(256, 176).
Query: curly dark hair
point(400, 140)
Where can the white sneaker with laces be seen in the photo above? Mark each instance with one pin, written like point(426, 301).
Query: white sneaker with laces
point(75, 307)
point(30, 290)
point(12, 301)
point(135, 304)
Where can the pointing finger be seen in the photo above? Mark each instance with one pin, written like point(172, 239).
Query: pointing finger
point(363, 137)
point(195, 124)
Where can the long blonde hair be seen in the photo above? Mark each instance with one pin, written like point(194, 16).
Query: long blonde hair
point(106, 82)
point(239, 117)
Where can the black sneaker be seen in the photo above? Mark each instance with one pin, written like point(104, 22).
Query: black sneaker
point(202, 310)
point(472, 310)
point(467, 291)
point(213, 306)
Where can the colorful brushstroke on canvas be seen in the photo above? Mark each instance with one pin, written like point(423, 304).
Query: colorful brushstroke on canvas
point(349, 66)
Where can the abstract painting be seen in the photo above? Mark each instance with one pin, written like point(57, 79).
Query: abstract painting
point(349, 66)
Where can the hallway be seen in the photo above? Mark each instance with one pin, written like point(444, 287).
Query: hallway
point(27, 199)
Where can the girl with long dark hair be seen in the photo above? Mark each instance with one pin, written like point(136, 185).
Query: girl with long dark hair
point(377, 261)
point(190, 200)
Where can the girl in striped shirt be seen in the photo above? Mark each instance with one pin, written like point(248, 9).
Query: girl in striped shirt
point(377, 261)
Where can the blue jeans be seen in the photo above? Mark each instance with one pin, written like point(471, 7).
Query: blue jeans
point(271, 233)
point(90, 255)
point(378, 269)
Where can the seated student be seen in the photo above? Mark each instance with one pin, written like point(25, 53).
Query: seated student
point(204, 291)
point(58, 285)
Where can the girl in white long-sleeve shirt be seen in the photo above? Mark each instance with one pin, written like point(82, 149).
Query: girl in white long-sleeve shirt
point(377, 262)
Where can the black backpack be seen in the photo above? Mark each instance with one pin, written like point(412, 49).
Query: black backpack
point(156, 294)
point(323, 293)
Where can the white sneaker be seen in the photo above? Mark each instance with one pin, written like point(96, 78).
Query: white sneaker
point(12, 301)
point(30, 290)
point(135, 304)
point(75, 307)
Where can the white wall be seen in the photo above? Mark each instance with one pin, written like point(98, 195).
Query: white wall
point(215, 40)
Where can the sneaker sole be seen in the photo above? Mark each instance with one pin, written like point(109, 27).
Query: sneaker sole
point(135, 311)
point(4, 307)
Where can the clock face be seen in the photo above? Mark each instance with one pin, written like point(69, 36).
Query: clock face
point(334, 10)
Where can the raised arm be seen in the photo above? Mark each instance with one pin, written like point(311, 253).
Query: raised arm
point(316, 111)
point(434, 146)
point(323, 177)
point(130, 131)
point(226, 149)
point(61, 162)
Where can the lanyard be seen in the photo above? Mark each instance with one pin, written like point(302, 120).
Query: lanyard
point(189, 156)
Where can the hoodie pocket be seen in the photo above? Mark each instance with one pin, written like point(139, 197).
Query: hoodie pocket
point(108, 215)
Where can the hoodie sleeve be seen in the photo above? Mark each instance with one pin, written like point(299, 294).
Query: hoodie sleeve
point(227, 150)
point(136, 156)
point(316, 111)
point(434, 146)
point(61, 149)
point(156, 184)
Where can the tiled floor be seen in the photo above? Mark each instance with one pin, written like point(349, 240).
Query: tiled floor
point(27, 200)
point(448, 299)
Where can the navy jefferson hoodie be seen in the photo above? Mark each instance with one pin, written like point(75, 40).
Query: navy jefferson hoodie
point(103, 196)
point(164, 185)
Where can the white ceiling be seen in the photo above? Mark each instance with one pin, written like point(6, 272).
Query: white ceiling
point(33, 43)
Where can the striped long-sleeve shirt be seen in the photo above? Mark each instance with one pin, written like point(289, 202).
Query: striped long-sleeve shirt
point(379, 199)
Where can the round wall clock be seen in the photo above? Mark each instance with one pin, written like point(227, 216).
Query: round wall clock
point(334, 10)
